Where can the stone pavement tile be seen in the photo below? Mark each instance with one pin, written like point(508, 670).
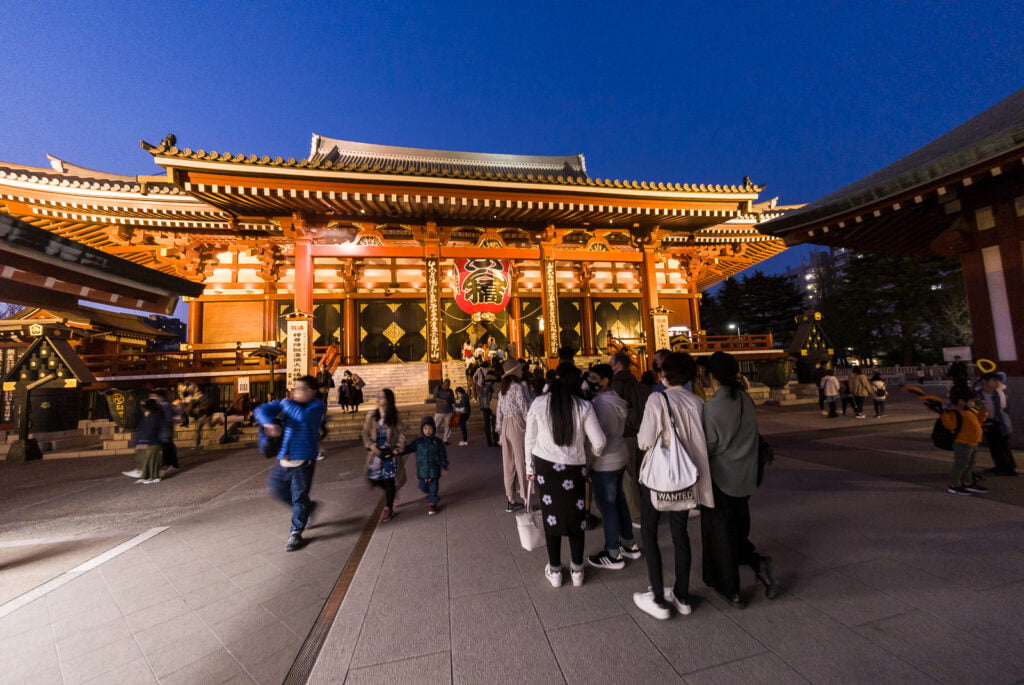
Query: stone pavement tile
point(845, 599)
point(336, 654)
point(937, 648)
point(255, 575)
point(479, 559)
point(169, 632)
point(764, 668)
point(251, 620)
point(285, 602)
point(492, 632)
point(88, 584)
point(88, 617)
point(133, 672)
point(962, 569)
point(818, 647)
point(1006, 606)
point(432, 668)
point(301, 618)
point(250, 650)
point(144, 595)
point(423, 626)
point(128, 576)
point(46, 676)
point(87, 640)
point(704, 639)
point(208, 594)
point(230, 605)
point(194, 578)
point(157, 614)
point(609, 650)
point(212, 669)
point(173, 655)
point(272, 667)
point(99, 661)
point(961, 607)
point(27, 654)
point(33, 615)
point(567, 605)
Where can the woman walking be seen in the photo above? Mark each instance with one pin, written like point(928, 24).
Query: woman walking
point(384, 438)
point(462, 411)
point(558, 427)
point(355, 391)
point(730, 428)
point(510, 420)
point(672, 415)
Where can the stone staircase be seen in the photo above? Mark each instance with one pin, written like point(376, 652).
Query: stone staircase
point(408, 382)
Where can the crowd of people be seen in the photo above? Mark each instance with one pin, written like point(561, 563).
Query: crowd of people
point(601, 435)
point(571, 435)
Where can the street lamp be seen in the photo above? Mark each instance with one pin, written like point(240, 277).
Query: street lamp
point(736, 328)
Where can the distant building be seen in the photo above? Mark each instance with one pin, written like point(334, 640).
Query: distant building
point(813, 274)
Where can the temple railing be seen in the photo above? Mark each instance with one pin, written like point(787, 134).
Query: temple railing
point(723, 343)
point(179, 362)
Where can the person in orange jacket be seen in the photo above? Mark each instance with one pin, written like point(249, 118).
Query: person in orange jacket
point(965, 421)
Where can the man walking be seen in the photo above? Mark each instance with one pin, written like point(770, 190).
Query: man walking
point(998, 426)
point(292, 475)
point(444, 404)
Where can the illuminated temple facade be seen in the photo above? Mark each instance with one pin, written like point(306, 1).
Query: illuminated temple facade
point(404, 254)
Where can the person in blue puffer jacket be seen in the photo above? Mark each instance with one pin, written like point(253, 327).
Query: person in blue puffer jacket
point(292, 475)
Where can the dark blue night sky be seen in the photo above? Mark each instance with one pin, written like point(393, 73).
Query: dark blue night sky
point(802, 96)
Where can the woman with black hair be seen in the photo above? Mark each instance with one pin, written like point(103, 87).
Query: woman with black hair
point(384, 438)
point(558, 427)
point(730, 429)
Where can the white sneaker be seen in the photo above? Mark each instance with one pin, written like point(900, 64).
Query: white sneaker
point(577, 577)
point(463, 443)
point(134, 473)
point(554, 577)
point(149, 481)
point(645, 602)
point(683, 608)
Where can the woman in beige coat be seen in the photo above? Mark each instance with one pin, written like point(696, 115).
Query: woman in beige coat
point(384, 438)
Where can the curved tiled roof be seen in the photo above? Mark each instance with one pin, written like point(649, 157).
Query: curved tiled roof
point(69, 178)
point(422, 167)
point(402, 158)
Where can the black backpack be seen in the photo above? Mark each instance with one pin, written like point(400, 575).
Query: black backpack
point(942, 437)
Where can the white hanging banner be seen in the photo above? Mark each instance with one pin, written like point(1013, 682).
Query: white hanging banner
point(243, 385)
point(298, 350)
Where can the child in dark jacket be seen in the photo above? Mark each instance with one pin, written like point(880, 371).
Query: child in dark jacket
point(431, 461)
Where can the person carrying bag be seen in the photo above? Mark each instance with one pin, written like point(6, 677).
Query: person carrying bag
point(530, 524)
point(676, 463)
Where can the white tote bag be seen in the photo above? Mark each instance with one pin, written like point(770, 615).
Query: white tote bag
point(530, 524)
point(668, 472)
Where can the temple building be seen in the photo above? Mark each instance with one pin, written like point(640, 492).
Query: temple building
point(403, 254)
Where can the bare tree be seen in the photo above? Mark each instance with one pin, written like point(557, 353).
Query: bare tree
point(7, 309)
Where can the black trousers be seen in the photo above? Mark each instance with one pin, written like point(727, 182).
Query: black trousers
point(554, 544)
point(821, 399)
point(492, 440)
point(999, 448)
point(170, 454)
point(388, 484)
point(649, 518)
point(725, 533)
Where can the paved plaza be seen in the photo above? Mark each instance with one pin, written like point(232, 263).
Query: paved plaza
point(886, 577)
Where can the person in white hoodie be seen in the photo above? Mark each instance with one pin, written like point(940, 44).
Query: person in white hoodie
point(558, 426)
point(685, 424)
point(606, 473)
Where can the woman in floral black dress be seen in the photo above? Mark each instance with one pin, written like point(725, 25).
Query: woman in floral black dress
point(558, 425)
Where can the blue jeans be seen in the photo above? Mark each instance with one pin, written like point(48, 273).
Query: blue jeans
point(291, 485)
point(431, 489)
point(611, 501)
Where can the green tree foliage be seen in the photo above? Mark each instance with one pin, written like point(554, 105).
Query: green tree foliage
point(758, 303)
point(898, 308)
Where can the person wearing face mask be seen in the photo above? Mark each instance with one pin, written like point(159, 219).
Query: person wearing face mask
point(292, 476)
point(606, 471)
point(656, 361)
